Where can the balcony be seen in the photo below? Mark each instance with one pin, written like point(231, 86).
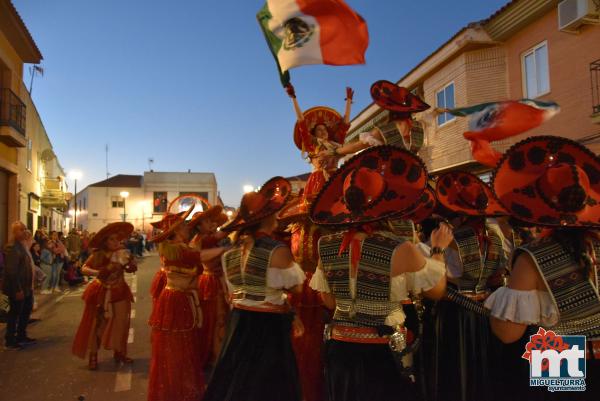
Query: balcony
point(53, 194)
point(595, 76)
point(12, 119)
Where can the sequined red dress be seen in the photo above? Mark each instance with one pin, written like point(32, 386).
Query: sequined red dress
point(176, 372)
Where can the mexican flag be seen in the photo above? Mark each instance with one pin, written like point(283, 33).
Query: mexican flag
point(500, 120)
point(301, 32)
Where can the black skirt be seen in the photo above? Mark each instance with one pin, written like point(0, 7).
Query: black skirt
point(257, 362)
point(462, 361)
point(364, 372)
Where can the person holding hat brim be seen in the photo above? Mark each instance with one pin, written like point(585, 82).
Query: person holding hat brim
point(176, 372)
point(365, 272)
point(398, 130)
point(106, 317)
point(257, 362)
point(551, 182)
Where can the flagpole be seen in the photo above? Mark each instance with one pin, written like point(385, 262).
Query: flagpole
point(32, 71)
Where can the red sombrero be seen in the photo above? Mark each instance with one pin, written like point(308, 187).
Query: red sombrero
point(551, 181)
point(169, 223)
point(256, 206)
point(159, 224)
point(379, 182)
point(424, 208)
point(295, 210)
point(321, 115)
point(221, 219)
point(212, 214)
point(396, 98)
point(122, 229)
point(465, 193)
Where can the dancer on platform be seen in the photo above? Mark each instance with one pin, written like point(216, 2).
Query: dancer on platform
point(106, 317)
point(366, 272)
point(257, 362)
point(554, 281)
point(175, 369)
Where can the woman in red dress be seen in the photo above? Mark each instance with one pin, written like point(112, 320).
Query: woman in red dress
point(105, 320)
point(175, 369)
point(211, 284)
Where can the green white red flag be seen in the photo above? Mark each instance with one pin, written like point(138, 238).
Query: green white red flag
point(500, 120)
point(301, 32)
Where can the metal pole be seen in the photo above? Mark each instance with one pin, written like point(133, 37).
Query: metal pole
point(124, 210)
point(75, 215)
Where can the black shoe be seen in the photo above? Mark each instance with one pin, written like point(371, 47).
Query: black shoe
point(12, 347)
point(26, 341)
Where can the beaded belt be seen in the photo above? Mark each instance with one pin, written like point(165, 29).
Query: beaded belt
point(362, 335)
point(268, 308)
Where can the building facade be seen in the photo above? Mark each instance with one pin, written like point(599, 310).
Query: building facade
point(518, 52)
point(32, 187)
point(141, 199)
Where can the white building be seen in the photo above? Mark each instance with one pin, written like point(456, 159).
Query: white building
point(147, 198)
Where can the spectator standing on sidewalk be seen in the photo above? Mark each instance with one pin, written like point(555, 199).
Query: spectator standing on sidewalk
point(60, 256)
point(46, 264)
point(73, 243)
point(17, 283)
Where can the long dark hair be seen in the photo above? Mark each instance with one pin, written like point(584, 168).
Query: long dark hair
point(573, 241)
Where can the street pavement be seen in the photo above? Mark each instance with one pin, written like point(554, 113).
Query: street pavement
point(48, 371)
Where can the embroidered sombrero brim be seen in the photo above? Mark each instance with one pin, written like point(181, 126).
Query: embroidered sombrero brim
point(515, 181)
point(274, 192)
point(453, 190)
point(424, 208)
point(170, 228)
point(161, 223)
point(122, 229)
point(294, 211)
point(390, 96)
point(405, 179)
point(321, 115)
point(210, 214)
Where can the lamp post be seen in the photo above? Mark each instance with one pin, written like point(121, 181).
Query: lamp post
point(124, 195)
point(75, 175)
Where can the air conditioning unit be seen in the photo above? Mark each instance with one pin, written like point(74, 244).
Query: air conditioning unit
point(574, 13)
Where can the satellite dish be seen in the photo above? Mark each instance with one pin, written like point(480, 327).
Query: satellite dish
point(47, 155)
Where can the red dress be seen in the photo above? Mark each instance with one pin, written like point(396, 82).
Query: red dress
point(176, 372)
point(212, 292)
point(103, 324)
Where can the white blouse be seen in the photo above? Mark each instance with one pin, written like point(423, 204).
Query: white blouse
point(412, 282)
point(524, 307)
point(278, 280)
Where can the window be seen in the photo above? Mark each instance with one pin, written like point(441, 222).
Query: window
point(117, 201)
point(445, 100)
point(84, 203)
point(536, 76)
point(29, 154)
point(160, 202)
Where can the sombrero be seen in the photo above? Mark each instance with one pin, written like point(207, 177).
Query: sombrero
point(392, 97)
point(550, 181)
point(379, 182)
point(122, 229)
point(169, 223)
point(255, 206)
point(221, 219)
point(295, 210)
point(159, 224)
point(424, 208)
point(321, 115)
point(212, 213)
point(465, 193)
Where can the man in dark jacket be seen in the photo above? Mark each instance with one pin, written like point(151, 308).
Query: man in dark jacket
point(18, 279)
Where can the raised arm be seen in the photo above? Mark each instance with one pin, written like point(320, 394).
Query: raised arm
point(292, 94)
point(349, 97)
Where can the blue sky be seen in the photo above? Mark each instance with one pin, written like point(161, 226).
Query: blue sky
point(192, 84)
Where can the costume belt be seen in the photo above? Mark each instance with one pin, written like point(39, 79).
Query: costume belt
point(181, 269)
point(267, 308)
point(362, 335)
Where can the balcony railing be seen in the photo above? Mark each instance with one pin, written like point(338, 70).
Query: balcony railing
point(595, 75)
point(53, 193)
point(12, 110)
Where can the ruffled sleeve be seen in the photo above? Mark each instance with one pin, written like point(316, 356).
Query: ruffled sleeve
point(524, 307)
point(426, 278)
point(285, 278)
point(319, 283)
point(368, 138)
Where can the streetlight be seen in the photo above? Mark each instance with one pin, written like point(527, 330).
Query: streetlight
point(248, 188)
point(75, 175)
point(124, 195)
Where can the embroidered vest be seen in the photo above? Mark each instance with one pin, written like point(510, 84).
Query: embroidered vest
point(574, 294)
point(404, 229)
point(478, 267)
point(392, 136)
point(372, 303)
point(250, 282)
